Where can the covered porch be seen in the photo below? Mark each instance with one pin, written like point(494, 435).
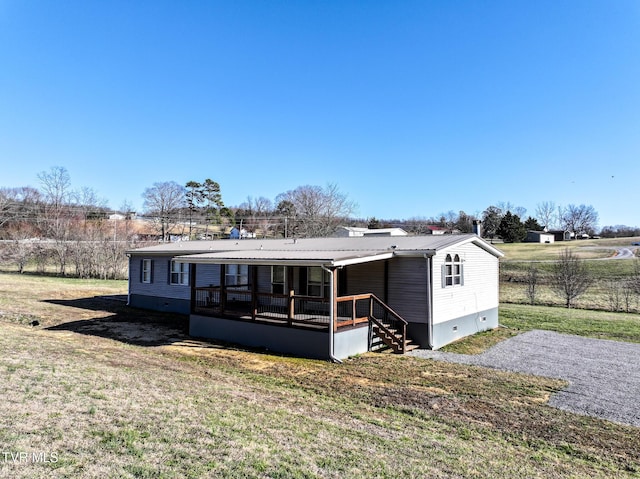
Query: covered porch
point(254, 301)
point(290, 309)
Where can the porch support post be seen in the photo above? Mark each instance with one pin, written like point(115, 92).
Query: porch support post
point(332, 310)
point(254, 291)
point(291, 307)
point(334, 299)
point(192, 283)
point(223, 289)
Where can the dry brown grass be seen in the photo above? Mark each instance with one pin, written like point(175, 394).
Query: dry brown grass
point(89, 389)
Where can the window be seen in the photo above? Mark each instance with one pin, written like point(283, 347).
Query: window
point(179, 273)
point(278, 275)
point(317, 282)
point(237, 275)
point(452, 274)
point(146, 271)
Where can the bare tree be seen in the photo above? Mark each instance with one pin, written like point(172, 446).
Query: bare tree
point(579, 219)
point(314, 211)
point(163, 201)
point(614, 295)
point(19, 205)
point(570, 278)
point(628, 295)
point(546, 214)
point(258, 214)
point(56, 184)
point(464, 223)
point(449, 220)
point(21, 249)
point(531, 280)
point(505, 206)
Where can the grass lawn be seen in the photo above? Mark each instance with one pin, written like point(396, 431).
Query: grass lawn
point(607, 293)
point(594, 324)
point(83, 396)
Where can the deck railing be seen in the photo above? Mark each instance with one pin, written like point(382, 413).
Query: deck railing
point(299, 310)
point(243, 303)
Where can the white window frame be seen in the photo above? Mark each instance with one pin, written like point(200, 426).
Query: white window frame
point(179, 274)
point(147, 269)
point(452, 272)
point(236, 275)
point(278, 280)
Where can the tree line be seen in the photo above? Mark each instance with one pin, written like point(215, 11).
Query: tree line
point(61, 228)
point(569, 278)
point(68, 228)
point(309, 211)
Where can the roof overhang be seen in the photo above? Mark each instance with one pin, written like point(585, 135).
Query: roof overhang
point(288, 258)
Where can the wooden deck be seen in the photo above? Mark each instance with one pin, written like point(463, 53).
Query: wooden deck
point(298, 311)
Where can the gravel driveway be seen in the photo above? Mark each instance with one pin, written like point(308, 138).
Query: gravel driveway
point(603, 376)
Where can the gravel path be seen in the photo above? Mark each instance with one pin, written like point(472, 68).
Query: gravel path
point(603, 376)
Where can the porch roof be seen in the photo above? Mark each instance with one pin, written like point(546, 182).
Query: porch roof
point(290, 258)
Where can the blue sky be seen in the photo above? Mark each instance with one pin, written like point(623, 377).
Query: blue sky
point(412, 108)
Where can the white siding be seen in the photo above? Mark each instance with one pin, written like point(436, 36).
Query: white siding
point(479, 291)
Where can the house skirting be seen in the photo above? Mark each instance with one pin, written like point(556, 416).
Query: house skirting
point(304, 342)
point(157, 303)
point(454, 329)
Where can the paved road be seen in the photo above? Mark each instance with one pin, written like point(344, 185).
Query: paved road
point(603, 376)
point(624, 253)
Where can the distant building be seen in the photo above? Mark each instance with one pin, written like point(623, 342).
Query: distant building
point(241, 233)
point(561, 235)
point(352, 231)
point(539, 237)
point(436, 230)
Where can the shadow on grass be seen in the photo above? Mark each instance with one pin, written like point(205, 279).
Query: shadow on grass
point(124, 324)
point(138, 327)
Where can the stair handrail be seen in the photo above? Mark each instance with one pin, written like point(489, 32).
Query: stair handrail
point(377, 322)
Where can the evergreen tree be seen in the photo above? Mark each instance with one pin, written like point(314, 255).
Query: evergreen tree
point(532, 224)
point(511, 229)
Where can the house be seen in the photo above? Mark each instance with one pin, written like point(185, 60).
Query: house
point(436, 230)
point(353, 231)
point(561, 235)
point(539, 237)
point(324, 297)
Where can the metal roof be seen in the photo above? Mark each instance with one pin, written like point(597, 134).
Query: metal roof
point(307, 251)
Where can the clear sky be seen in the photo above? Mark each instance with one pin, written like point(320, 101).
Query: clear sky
point(412, 108)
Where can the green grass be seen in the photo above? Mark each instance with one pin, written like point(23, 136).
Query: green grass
point(587, 249)
point(607, 275)
point(109, 408)
point(480, 342)
point(594, 324)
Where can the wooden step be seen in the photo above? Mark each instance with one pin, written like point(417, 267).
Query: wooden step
point(393, 341)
